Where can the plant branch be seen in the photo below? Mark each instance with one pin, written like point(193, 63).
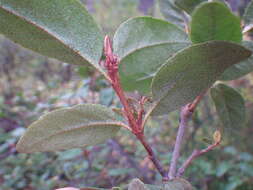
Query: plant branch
point(185, 116)
point(195, 154)
point(111, 64)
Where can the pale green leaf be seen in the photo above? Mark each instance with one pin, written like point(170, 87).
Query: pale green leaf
point(239, 70)
point(143, 44)
point(192, 71)
point(229, 106)
point(188, 5)
point(248, 14)
point(214, 21)
point(67, 128)
point(171, 12)
point(60, 29)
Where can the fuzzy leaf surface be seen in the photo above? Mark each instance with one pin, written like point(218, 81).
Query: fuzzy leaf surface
point(192, 71)
point(239, 70)
point(60, 29)
point(143, 44)
point(67, 128)
point(229, 105)
point(215, 21)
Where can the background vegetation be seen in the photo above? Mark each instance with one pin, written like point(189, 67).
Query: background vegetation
point(31, 85)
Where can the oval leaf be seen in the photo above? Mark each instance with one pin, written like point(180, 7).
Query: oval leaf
point(215, 21)
point(60, 29)
point(188, 5)
point(191, 71)
point(171, 12)
point(143, 44)
point(248, 14)
point(239, 70)
point(67, 128)
point(229, 106)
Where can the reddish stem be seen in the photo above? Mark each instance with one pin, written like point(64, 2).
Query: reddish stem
point(135, 124)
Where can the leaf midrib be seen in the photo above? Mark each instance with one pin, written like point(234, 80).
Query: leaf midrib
point(114, 124)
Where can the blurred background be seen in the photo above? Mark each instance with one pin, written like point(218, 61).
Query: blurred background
point(31, 85)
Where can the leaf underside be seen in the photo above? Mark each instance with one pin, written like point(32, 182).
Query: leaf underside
point(67, 128)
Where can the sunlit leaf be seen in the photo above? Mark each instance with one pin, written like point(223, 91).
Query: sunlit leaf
point(67, 128)
point(191, 71)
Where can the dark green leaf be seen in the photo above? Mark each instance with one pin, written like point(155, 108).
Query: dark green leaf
point(60, 29)
point(171, 12)
point(143, 44)
point(188, 5)
point(214, 21)
point(229, 106)
point(238, 70)
point(191, 71)
point(67, 128)
point(248, 14)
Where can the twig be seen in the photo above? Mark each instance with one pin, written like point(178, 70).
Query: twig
point(195, 154)
point(185, 116)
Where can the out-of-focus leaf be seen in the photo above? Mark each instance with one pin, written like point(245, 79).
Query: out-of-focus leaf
point(67, 128)
point(191, 71)
point(222, 168)
point(137, 184)
point(214, 21)
point(229, 106)
point(239, 70)
point(188, 5)
point(178, 184)
point(60, 29)
point(143, 44)
point(248, 14)
point(171, 12)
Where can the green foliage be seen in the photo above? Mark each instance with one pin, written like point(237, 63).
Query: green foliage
point(59, 29)
point(229, 105)
point(188, 5)
point(214, 21)
point(241, 69)
point(248, 14)
point(171, 12)
point(143, 44)
point(192, 71)
point(67, 128)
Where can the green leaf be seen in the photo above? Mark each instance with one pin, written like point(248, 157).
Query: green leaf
point(192, 71)
point(143, 44)
point(188, 5)
point(60, 29)
point(171, 12)
point(248, 14)
point(229, 106)
point(214, 21)
point(178, 184)
point(67, 128)
point(239, 70)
